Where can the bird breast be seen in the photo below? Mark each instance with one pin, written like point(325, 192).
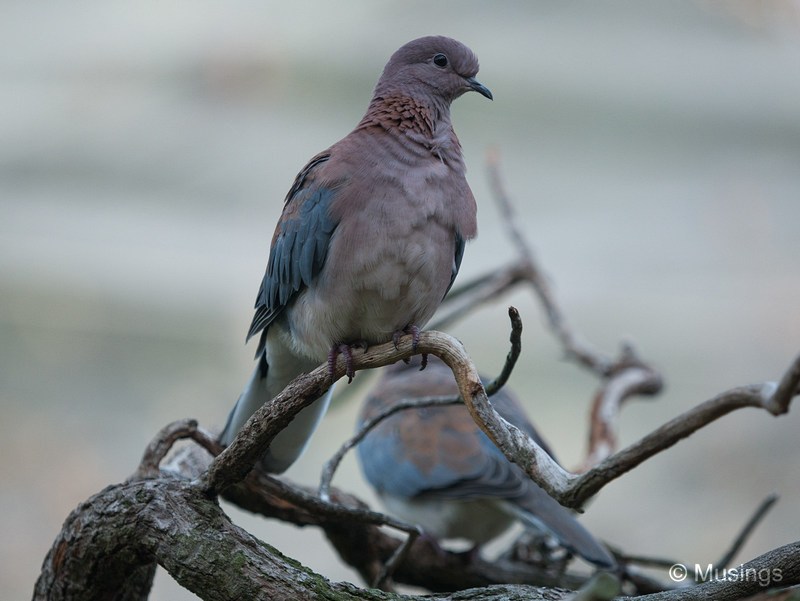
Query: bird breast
point(396, 279)
point(390, 258)
point(476, 520)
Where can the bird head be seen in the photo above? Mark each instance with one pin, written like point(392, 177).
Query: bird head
point(435, 67)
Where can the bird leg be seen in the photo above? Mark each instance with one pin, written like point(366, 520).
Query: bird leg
point(414, 331)
point(346, 351)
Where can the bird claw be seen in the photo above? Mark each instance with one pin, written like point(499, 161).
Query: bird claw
point(423, 362)
point(413, 330)
point(344, 350)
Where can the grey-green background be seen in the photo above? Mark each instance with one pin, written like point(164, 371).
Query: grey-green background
point(652, 148)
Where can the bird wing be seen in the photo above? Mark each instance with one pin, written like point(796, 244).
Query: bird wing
point(459, 254)
point(299, 246)
point(428, 452)
point(438, 451)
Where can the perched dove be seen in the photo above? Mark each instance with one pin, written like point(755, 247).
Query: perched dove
point(371, 235)
point(434, 467)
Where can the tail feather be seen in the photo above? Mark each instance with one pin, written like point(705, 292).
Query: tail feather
point(539, 511)
point(264, 384)
point(252, 398)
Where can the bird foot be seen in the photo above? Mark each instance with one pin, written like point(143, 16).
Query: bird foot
point(346, 351)
point(414, 331)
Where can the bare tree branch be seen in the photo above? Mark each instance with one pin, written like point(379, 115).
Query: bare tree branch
point(787, 389)
point(123, 531)
point(513, 354)
point(213, 541)
point(569, 489)
point(777, 568)
point(254, 438)
point(746, 531)
point(366, 547)
point(578, 489)
point(162, 443)
point(629, 376)
point(126, 528)
point(574, 490)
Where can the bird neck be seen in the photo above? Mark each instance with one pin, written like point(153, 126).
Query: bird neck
point(422, 122)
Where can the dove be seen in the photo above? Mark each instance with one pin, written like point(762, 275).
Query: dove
point(371, 236)
point(434, 467)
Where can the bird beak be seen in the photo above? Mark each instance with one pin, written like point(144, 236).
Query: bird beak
point(474, 85)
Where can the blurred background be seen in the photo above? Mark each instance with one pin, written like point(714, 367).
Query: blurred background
point(652, 150)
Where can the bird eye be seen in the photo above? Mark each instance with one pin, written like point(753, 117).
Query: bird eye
point(440, 60)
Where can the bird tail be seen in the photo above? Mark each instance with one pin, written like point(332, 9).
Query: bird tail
point(539, 511)
point(290, 443)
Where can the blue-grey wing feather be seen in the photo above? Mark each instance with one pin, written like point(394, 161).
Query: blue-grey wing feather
point(299, 248)
point(457, 257)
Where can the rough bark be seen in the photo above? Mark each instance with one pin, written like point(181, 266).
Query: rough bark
point(111, 543)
